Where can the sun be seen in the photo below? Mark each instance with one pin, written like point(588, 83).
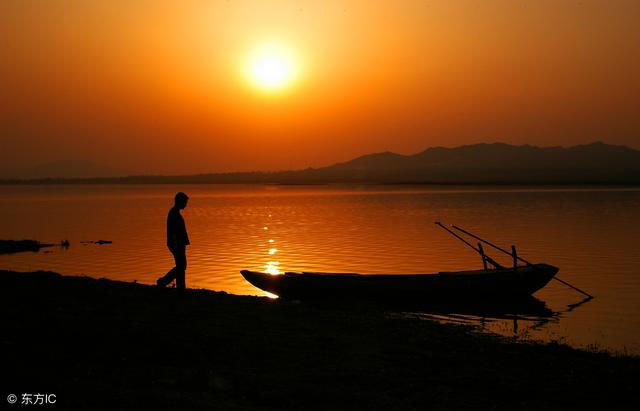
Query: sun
point(272, 67)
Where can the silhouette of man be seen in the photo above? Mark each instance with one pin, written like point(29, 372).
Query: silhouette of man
point(177, 241)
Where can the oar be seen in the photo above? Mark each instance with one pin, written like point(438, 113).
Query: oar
point(477, 250)
point(518, 257)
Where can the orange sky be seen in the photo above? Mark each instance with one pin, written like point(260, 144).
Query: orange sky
point(157, 86)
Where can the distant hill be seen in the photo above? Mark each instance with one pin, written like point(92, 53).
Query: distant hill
point(497, 163)
point(68, 169)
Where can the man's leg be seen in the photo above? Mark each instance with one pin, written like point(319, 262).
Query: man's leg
point(180, 280)
point(168, 277)
point(178, 256)
point(181, 267)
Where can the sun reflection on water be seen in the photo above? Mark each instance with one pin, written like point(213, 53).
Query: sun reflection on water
point(272, 267)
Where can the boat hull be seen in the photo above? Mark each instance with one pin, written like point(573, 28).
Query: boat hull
point(465, 285)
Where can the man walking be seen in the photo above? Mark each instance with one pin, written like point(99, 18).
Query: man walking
point(177, 241)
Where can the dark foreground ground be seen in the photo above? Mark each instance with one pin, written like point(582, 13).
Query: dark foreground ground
point(100, 344)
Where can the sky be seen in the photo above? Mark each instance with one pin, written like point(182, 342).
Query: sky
point(165, 87)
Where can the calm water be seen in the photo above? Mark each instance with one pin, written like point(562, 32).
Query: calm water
point(591, 234)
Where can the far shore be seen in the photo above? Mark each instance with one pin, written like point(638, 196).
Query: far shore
point(103, 344)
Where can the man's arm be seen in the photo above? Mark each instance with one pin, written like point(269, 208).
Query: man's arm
point(185, 236)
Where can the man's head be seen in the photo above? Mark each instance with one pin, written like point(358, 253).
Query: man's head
point(181, 200)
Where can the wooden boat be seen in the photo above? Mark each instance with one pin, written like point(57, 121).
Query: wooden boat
point(500, 283)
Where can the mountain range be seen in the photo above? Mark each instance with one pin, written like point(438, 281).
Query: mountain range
point(497, 163)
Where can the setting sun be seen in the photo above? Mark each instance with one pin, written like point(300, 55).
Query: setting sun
point(271, 67)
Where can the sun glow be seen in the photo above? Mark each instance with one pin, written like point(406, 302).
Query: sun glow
point(271, 67)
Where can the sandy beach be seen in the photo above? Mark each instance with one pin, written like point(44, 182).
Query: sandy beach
point(102, 344)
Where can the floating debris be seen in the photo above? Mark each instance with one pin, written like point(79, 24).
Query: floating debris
point(99, 242)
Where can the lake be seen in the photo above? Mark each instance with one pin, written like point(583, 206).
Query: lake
point(592, 234)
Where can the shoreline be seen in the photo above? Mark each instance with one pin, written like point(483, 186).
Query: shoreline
point(137, 346)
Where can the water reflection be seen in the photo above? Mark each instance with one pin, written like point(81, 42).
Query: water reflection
point(522, 319)
point(272, 267)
